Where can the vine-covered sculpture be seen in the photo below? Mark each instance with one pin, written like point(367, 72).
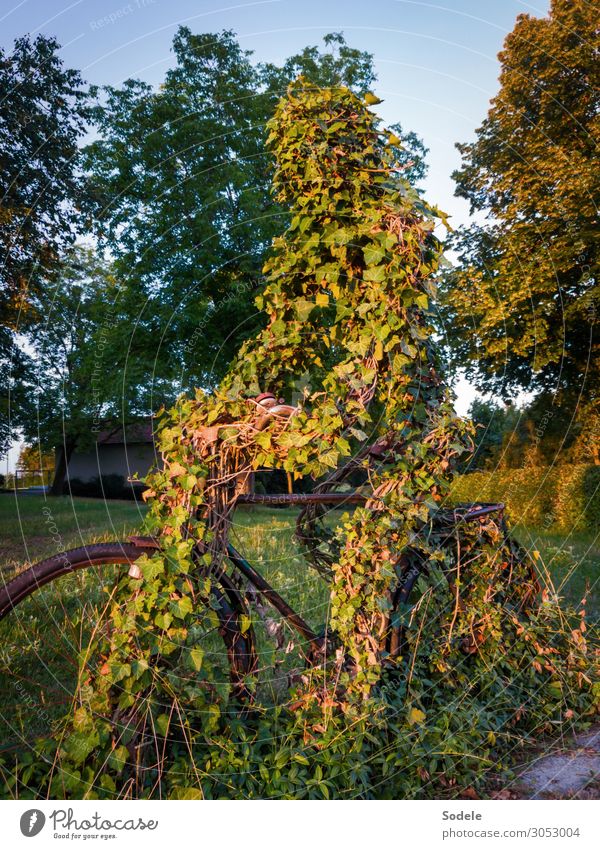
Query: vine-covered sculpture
point(348, 339)
point(346, 302)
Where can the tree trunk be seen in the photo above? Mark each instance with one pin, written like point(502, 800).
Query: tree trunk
point(63, 455)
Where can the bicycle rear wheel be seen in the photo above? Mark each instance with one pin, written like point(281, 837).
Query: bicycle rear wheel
point(513, 583)
point(41, 641)
point(52, 568)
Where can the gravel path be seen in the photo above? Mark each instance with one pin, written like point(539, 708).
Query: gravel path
point(571, 772)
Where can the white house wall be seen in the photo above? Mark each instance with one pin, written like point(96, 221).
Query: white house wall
point(117, 459)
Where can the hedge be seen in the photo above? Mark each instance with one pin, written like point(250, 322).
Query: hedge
point(563, 497)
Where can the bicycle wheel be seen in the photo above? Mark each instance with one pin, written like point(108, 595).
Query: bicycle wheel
point(514, 584)
point(48, 632)
point(45, 571)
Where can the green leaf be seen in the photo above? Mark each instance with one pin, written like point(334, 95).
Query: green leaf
point(162, 723)
point(376, 274)
point(163, 620)
point(195, 658)
point(185, 794)
point(373, 254)
point(118, 758)
point(303, 308)
point(151, 567)
point(182, 607)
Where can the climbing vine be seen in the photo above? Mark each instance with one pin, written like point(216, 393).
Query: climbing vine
point(409, 701)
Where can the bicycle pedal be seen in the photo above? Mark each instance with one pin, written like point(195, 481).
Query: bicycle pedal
point(134, 571)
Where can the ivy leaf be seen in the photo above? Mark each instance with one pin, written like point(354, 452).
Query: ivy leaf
point(184, 794)
point(373, 254)
point(376, 274)
point(118, 758)
point(162, 723)
point(303, 308)
point(182, 607)
point(330, 458)
point(163, 620)
point(151, 567)
point(416, 716)
point(195, 658)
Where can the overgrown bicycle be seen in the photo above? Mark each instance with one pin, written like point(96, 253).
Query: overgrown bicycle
point(237, 587)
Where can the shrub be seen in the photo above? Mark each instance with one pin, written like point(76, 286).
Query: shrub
point(561, 496)
point(577, 501)
point(105, 486)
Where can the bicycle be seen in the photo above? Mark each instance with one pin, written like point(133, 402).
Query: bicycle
point(232, 599)
point(236, 585)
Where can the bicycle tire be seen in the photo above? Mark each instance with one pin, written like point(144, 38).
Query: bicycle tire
point(410, 570)
point(230, 605)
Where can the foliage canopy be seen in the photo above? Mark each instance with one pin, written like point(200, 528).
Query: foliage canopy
point(523, 303)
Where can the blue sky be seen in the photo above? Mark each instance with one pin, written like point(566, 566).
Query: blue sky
point(436, 61)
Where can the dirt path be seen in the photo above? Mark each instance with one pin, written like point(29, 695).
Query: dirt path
point(568, 772)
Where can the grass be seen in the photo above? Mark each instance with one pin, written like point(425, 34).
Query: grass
point(33, 526)
point(40, 642)
point(572, 560)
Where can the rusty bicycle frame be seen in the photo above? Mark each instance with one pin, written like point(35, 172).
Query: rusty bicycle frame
point(473, 513)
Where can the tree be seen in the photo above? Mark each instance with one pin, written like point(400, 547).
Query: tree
point(72, 367)
point(35, 465)
point(523, 301)
point(491, 424)
point(43, 114)
point(14, 375)
point(181, 181)
point(338, 65)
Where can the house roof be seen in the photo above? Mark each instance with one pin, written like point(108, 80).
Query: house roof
point(136, 432)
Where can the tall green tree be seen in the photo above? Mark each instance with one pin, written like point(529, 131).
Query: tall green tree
point(70, 396)
point(43, 115)
point(523, 303)
point(182, 188)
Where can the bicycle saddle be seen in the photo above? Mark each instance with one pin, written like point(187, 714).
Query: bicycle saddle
point(270, 408)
